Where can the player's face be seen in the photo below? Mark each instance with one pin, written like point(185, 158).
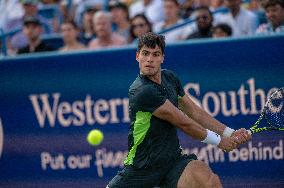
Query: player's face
point(150, 60)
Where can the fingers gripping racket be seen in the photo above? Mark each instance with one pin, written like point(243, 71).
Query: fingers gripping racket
point(272, 114)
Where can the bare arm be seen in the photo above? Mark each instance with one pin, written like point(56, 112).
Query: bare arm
point(176, 117)
point(172, 114)
point(205, 120)
point(201, 116)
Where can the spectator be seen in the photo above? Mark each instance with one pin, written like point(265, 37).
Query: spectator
point(50, 2)
point(204, 21)
point(216, 4)
point(32, 30)
point(120, 18)
point(255, 7)
point(171, 10)
point(87, 29)
point(139, 25)
point(104, 35)
point(202, 3)
point(187, 8)
point(242, 21)
point(152, 9)
point(221, 30)
point(10, 10)
point(50, 11)
point(75, 10)
point(70, 33)
point(30, 8)
point(274, 10)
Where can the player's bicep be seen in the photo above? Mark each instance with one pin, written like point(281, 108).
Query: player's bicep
point(185, 103)
point(170, 113)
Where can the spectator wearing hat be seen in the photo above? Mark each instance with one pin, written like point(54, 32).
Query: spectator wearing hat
point(32, 30)
point(274, 10)
point(105, 37)
point(120, 18)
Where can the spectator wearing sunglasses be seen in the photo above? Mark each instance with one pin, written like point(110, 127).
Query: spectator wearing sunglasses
point(204, 22)
point(139, 25)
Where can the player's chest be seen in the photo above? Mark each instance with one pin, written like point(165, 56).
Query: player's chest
point(170, 92)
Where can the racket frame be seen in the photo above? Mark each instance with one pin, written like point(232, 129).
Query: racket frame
point(254, 129)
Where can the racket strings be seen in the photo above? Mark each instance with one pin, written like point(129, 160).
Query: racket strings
point(274, 112)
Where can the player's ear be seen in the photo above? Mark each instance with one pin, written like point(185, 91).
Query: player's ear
point(137, 55)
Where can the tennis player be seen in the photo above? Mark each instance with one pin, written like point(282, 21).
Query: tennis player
point(158, 106)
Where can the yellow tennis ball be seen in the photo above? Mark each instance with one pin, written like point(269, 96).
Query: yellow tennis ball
point(95, 137)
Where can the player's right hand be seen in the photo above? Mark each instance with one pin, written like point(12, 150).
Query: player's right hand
point(242, 136)
point(228, 143)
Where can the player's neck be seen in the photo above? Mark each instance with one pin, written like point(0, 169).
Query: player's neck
point(156, 78)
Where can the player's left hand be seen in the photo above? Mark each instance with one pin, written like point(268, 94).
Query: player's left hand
point(241, 136)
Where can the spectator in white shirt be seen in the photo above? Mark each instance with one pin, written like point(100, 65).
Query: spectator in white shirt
point(274, 10)
point(242, 21)
point(10, 10)
point(152, 9)
point(171, 10)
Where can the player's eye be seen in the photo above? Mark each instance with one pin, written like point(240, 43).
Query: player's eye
point(156, 54)
point(145, 53)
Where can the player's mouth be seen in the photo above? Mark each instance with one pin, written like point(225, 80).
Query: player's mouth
point(149, 67)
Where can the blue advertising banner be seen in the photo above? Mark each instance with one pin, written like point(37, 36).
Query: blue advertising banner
point(50, 102)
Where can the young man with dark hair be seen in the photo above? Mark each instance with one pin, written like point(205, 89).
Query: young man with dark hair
point(221, 30)
point(32, 30)
point(204, 22)
point(274, 10)
point(158, 106)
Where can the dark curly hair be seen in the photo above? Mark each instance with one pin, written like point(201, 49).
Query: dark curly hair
point(151, 40)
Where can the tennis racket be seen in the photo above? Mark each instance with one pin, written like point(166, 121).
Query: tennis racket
point(272, 113)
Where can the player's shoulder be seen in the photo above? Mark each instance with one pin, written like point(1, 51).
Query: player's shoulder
point(169, 73)
point(142, 88)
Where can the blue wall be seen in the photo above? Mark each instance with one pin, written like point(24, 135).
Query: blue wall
point(49, 102)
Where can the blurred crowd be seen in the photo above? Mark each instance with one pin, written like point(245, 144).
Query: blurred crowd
point(97, 24)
